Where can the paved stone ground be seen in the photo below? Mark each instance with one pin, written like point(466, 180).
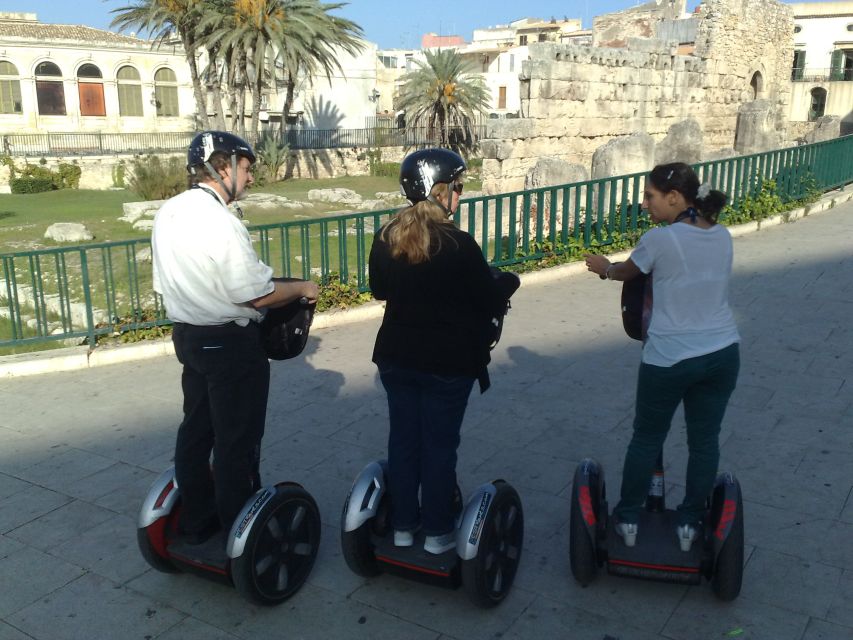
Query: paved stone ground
point(79, 449)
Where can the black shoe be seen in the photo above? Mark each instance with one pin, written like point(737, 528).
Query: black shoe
point(210, 529)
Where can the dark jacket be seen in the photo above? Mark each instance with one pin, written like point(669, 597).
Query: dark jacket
point(437, 311)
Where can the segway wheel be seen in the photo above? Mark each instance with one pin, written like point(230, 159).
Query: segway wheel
point(488, 577)
point(154, 557)
point(582, 552)
point(357, 545)
point(281, 548)
point(728, 565)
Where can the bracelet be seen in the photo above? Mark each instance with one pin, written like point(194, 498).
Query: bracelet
point(607, 271)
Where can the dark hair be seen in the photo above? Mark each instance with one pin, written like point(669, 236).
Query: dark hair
point(219, 160)
point(680, 177)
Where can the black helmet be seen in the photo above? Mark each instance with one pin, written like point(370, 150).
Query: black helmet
point(206, 143)
point(422, 169)
point(284, 330)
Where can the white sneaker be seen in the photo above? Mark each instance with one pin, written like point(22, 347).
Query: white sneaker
point(628, 532)
point(440, 544)
point(404, 538)
point(686, 535)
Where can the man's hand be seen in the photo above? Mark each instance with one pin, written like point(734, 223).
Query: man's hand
point(286, 291)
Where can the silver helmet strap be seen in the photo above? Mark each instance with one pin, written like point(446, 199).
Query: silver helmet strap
point(435, 200)
point(232, 190)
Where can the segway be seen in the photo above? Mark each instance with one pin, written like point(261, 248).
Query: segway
point(270, 548)
point(489, 537)
point(716, 553)
point(267, 554)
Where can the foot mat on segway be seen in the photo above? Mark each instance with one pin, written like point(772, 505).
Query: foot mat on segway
point(414, 558)
point(657, 554)
point(210, 554)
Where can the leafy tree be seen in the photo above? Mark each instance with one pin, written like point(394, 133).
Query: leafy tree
point(263, 40)
point(160, 18)
point(445, 95)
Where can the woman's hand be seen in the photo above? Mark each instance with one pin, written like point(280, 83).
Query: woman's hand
point(597, 264)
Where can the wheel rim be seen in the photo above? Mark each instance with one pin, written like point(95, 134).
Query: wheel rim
point(503, 549)
point(286, 550)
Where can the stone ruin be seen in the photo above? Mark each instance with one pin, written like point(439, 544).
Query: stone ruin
point(729, 94)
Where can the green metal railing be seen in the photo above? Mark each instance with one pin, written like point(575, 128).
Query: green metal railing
point(95, 289)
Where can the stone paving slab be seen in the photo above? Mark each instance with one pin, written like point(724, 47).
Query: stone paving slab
point(79, 448)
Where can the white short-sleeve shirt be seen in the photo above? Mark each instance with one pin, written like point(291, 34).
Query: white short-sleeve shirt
point(204, 264)
point(690, 269)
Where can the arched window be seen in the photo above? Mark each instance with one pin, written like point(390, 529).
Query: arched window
point(757, 85)
point(10, 88)
point(50, 93)
point(129, 92)
point(166, 92)
point(91, 89)
point(818, 103)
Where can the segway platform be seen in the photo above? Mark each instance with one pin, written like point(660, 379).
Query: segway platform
point(656, 554)
point(489, 537)
point(432, 568)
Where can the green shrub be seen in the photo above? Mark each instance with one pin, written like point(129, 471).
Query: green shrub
point(272, 154)
point(337, 295)
point(69, 175)
point(153, 179)
point(119, 173)
point(31, 184)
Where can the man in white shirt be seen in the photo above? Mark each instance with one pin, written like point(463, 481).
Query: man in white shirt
point(214, 289)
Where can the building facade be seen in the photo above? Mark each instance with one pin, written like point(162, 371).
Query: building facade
point(66, 78)
point(822, 68)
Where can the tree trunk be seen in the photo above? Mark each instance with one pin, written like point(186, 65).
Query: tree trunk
point(214, 87)
point(198, 91)
point(232, 87)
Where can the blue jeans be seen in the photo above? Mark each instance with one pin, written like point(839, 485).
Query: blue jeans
point(704, 384)
point(426, 412)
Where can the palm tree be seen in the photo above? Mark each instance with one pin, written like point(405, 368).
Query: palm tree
point(160, 18)
point(315, 51)
point(271, 37)
point(444, 95)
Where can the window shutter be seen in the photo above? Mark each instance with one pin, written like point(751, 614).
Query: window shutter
point(835, 72)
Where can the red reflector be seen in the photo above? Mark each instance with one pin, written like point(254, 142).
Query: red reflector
point(164, 494)
point(726, 518)
point(585, 501)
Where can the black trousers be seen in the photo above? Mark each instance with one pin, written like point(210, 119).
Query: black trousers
point(225, 383)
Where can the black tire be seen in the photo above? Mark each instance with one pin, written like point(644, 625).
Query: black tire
point(582, 552)
point(357, 546)
point(358, 551)
point(488, 577)
point(152, 557)
point(728, 565)
point(281, 548)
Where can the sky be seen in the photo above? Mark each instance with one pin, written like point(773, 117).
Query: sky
point(389, 23)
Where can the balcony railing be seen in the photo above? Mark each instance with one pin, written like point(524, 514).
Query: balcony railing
point(799, 74)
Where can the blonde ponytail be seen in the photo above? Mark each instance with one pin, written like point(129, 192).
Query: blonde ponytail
point(415, 233)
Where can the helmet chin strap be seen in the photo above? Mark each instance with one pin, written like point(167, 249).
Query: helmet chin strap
point(231, 191)
point(435, 200)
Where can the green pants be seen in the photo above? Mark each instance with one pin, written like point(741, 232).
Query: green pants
point(704, 384)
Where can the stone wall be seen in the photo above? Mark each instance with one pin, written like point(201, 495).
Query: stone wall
point(614, 29)
point(577, 98)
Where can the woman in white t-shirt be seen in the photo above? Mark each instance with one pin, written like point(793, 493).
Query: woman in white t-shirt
point(691, 352)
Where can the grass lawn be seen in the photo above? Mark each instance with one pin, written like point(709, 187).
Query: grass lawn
point(25, 217)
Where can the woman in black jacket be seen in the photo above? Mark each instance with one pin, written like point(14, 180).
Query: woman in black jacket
point(432, 344)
